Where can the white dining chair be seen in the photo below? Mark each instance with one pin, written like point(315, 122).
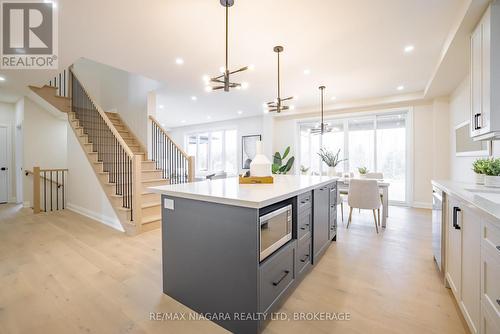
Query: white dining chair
point(377, 176)
point(364, 194)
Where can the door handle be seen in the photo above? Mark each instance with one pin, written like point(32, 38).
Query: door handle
point(286, 272)
point(305, 258)
point(456, 210)
point(498, 301)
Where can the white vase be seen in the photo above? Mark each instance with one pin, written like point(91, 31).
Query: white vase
point(479, 178)
point(362, 176)
point(260, 165)
point(492, 181)
point(332, 171)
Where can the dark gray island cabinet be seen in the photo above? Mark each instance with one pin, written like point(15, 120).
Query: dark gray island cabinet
point(213, 235)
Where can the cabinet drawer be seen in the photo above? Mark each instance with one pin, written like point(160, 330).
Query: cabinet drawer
point(304, 201)
point(490, 279)
point(304, 224)
point(491, 238)
point(303, 258)
point(276, 275)
point(490, 322)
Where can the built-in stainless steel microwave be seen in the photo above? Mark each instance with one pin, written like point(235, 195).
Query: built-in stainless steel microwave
point(275, 230)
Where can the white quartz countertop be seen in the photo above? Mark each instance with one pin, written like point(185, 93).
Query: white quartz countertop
point(486, 199)
point(229, 191)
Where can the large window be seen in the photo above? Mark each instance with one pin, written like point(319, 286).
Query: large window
point(214, 151)
point(377, 142)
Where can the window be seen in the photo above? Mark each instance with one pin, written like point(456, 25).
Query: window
point(377, 142)
point(214, 151)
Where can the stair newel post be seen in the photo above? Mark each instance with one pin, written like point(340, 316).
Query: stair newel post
point(137, 191)
point(191, 168)
point(36, 189)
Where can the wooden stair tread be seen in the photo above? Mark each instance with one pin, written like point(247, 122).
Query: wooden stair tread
point(151, 219)
point(150, 204)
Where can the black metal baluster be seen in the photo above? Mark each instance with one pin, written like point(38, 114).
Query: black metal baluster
point(45, 191)
point(51, 186)
point(63, 197)
point(57, 190)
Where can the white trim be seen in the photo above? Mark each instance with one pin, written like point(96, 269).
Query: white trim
point(109, 221)
point(422, 205)
point(9, 161)
point(27, 204)
point(484, 153)
point(410, 162)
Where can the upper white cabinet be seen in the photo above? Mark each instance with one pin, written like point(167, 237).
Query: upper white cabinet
point(485, 76)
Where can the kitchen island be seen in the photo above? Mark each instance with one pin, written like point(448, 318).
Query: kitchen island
point(235, 252)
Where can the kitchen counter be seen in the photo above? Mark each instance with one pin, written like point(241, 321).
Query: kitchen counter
point(230, 192)
point(486, 199)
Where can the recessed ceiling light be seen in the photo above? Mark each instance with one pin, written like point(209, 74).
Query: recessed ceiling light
point(240, 112)
point(307, 71)
point(2, 78)
point(183, 121)
point(209, 117)
point(208, 89)
point(400, 87)
point(194, 98)
point(251, 67)
point(206, 79)
point(334, 98)
point(244, 85)
point(161, 106)
point(222, 69)
point(162, 125)
point(266, 111)
point(409, 48)
point(179, 61)
point(292, 107)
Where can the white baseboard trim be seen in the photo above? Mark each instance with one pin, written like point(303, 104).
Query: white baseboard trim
point(26, 204)
point(108, 221)
point(422, 205)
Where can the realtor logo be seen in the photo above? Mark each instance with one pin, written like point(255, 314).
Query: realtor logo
point(29, 35)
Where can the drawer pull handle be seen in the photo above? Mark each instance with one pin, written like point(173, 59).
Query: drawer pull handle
point(498, 301)
point(498, 248)
point(305, 258)
point(304, 201)
point(285, 274)
point(303, 228)
point(456, 210)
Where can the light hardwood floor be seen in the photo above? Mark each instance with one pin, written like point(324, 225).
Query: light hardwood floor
point(64, 273)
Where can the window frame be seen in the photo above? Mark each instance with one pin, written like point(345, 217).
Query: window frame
point(373, 115)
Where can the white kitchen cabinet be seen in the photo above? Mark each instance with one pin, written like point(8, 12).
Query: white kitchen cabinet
point(454, 249)
point(463, 268)
point(485, 76)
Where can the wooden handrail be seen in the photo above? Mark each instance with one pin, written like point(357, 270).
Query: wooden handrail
point(105, 118)
point(28, 172)
point(166, 134)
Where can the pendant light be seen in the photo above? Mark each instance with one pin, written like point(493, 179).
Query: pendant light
point(323, 127)
point(223, 81)
point(278, 106)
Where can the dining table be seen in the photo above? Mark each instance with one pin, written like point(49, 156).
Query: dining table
point(343, 188)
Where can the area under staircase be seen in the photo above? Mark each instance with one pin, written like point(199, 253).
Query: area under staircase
point(118, 158)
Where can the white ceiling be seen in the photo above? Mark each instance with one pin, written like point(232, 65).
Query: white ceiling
point(355, 48)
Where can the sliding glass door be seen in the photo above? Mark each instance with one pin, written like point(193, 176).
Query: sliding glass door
point(377, 142)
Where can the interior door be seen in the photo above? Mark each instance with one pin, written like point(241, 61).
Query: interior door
point(4, 170)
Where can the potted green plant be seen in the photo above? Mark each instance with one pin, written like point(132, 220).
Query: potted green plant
point(279, 166)
point(478, 167)
point(492, 173)
point(362, 171)
point(331, 160)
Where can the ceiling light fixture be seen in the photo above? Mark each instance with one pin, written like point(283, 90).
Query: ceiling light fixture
point(194, 98)
point(2, 78)
point(323, 127)
point(223, 81)
point(183, 121)
point(161, 106)
point(307, 71)
point(334, 98)
point(409, 48)
point(400, 87)
point(179, 61)
point(209, 117)
point(240, 112)
point(277, 105)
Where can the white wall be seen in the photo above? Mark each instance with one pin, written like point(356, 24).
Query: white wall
point(44, 143)
point(85, 193)
point(19, 149)
point(245, 126)
point(120, 91)
point(7, 117)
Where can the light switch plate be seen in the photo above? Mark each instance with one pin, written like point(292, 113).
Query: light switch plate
point(168, 204)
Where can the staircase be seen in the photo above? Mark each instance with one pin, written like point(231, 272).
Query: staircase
point(118, 158)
